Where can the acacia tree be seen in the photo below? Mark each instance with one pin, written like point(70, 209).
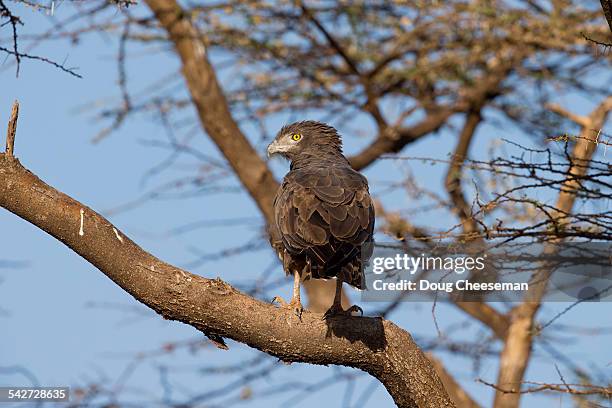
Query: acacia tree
point(412, 69)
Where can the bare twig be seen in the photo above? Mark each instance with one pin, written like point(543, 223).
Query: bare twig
point(43, 59)
point(12, 130)
point(586, 389)
point(13, 20)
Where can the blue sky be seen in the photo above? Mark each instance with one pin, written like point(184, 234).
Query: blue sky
point(64, 323)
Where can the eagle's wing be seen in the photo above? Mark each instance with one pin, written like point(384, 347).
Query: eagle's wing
point(325, 213)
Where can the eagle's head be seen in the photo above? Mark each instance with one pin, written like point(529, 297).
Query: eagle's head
point(306, 138)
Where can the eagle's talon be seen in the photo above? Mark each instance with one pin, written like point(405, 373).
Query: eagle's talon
point(355, 308)
point(333, 311)
point(336, 310)
point(297, 309)
point(295, 306)
point(329, 314)
point(279, 300)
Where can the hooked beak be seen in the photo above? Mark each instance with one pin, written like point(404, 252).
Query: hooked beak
point(277, 147)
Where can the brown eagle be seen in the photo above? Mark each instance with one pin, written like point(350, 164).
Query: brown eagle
point(323, 213)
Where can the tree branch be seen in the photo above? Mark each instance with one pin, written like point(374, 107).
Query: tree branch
point(330, 39)
point(559, 110)
point(11, 130)
point(392, 141)
point(579, 389)
point(373, 345)
point(455, 173)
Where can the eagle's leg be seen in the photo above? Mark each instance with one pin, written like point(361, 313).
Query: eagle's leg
point(295, 304)
point(336, 307)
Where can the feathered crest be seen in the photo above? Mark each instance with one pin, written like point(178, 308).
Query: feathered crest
point(321, 135)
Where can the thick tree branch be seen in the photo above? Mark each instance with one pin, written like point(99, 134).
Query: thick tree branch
point(374, 345)
point(392, 141)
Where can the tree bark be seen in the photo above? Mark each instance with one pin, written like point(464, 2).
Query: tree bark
point(214, 307)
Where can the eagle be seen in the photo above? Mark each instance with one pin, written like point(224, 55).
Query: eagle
point(323, 213)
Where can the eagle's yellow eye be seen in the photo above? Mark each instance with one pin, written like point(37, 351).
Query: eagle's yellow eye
point(296, 137)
